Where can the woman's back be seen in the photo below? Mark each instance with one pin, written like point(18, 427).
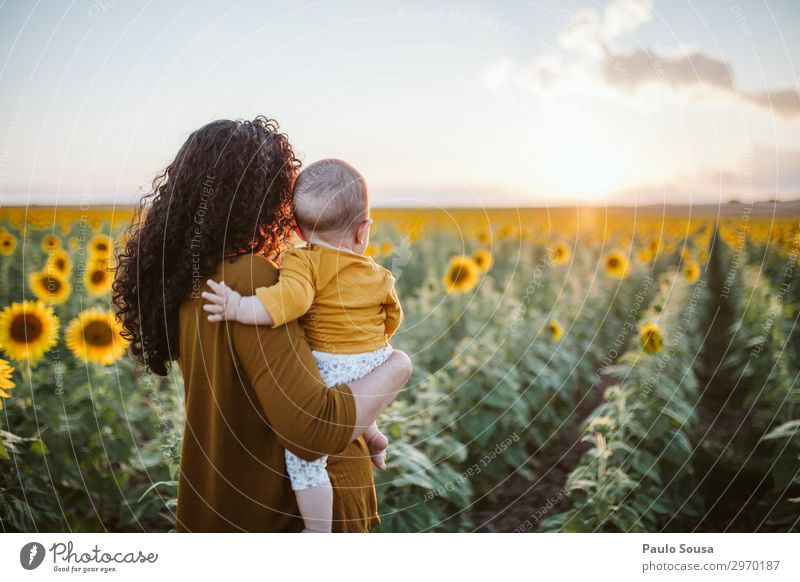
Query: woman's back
point(251, 392)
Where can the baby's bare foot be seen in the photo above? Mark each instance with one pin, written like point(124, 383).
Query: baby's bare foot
point(377, 444)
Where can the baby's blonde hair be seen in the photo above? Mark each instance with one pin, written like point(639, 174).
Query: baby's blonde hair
point(330, 196)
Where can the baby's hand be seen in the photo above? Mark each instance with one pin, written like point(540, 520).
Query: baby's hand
point(224, 302)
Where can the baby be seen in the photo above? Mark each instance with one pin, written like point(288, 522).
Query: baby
point(346, 303)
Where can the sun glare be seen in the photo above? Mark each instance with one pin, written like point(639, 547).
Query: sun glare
point(586, 171)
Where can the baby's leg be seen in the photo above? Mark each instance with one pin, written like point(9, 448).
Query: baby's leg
point(313, 491)
point(316, 507)
point(377, 442)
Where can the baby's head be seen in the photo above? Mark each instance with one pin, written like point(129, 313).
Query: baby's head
point(331, 203)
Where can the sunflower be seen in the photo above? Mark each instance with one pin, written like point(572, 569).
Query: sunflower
point(59, 262)
point(560, 254)
point(643, 256)
point(8, 242)
point(556, 331)
point(483, 259)
point(691, 271)
point(50, 286)
point(387, 248)
point(101, 246)
point(28, 330)
point(652, 340)
point(5, 381)
point(97, 278)
point(462, 275)
point(50, 242)
point(484, 237)
point(371, 250)
point(95, 336)
point(616, 264)
point(506, 231)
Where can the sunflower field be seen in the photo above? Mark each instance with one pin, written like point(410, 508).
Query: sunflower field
point(575, 370)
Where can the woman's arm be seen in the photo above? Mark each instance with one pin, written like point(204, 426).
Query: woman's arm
point(309, 419)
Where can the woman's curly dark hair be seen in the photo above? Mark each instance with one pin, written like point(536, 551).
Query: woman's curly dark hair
point(226, 194)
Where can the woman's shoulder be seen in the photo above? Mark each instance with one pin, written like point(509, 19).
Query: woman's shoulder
point(246, 273)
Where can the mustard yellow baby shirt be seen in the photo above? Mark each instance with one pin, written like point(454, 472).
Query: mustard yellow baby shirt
point(346, 302)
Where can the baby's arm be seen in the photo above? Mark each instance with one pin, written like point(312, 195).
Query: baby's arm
point(394, 312)
point(228, 305)
point(288, 299)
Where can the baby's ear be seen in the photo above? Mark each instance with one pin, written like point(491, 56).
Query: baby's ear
point(362, 231)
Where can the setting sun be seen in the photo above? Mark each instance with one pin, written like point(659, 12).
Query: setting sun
point(586, 172)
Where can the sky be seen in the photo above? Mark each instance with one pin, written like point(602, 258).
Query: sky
point(514, 103)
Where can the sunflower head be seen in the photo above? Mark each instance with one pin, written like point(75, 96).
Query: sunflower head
point(101, 246)
point(97, 278)
point(59, 262)
point(483, 259)
point(8, 243)
point(387, 248)
point(506, 231)
point(643, 256)
point(95, 336)
point(28, 330)
point(5, 381)
point(556, 330)
point(50, 242)
point(560, 253)
point(50, 286)
point(484, 237)
point(616, 264)
point(371, 250)
point(691, 271)
point(462, 275)
point(652, 339)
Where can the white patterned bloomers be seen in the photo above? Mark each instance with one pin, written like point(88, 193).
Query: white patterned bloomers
point(335, 369)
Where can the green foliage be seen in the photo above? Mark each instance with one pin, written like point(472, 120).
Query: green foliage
point(89, 448)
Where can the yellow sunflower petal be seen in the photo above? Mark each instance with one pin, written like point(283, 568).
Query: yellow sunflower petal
point(616, 264)
point(28, 330)
point(8, 243)
point(50, 286)
point(97, 278)
point(101, 245)
point(483, 259)
point(95, 336)
point(462, 275)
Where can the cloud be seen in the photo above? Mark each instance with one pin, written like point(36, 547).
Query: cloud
point(693, 68)
point(591, 64)
point(635, 69)
point(785, 103)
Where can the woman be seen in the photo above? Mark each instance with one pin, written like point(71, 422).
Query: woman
point(220, 210)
